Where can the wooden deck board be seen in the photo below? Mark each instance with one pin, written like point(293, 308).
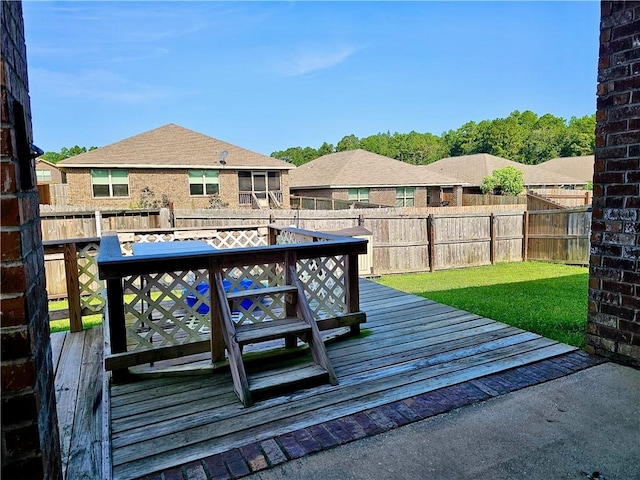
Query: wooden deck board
point(409, 346)
point(77, 365)
point(412, 346)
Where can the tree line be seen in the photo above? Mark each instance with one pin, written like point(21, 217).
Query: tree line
point(523, 137)
point(55, 157)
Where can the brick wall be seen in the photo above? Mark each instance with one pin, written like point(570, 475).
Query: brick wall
point(174, 183)
point(30, 445)
point(614, 282)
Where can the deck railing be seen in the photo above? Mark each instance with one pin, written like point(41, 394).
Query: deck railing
point(160, 306)
point(83, 287)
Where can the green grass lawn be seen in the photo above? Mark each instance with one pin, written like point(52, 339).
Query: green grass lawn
point(545, 298)
point(88, 321)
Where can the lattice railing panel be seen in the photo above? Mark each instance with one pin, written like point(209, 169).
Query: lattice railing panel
point(239, 239)
point(219, 239)
point(166, 309)
point(91, 287)
point(324, 279)
point(254, 277)
point(286, 237)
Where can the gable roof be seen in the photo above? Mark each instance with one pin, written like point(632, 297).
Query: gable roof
point(578, 167)
point(45, 163)
point(473, 169)
point(360, 168)
point(172, 146)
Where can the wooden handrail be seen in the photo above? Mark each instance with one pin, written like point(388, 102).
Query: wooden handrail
point(113, 264)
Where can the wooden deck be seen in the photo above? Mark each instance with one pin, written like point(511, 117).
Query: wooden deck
point(409, 346)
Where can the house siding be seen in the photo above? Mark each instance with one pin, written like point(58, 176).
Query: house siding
point(172, 183)
point(377, 195)
point(56, 175)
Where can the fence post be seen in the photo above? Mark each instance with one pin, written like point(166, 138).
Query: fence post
point(431, 233)
point(73, 286)
point(492, 240)
point(525, 236)
point(98, 223)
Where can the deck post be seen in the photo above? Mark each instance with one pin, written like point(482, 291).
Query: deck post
point(272, 236)
point(117, 328)
point(353, 289)
point(73, 286)
point(217, 339)
point(290, 260)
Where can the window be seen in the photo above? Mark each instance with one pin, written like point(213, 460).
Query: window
point(203, 182)
point(110, 183)
point(245, 183)
point(43, 175)
point(405, 197)
point(274, 181)
point(258, 181)
point(359, 194)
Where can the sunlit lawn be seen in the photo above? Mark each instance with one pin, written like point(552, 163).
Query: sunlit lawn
point(545, 298)
point(88, 321)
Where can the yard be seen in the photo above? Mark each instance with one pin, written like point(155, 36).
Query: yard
point(545, 298)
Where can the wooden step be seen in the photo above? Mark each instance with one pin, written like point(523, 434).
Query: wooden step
point(262, 292)
point(282, 378)
point(264, 331)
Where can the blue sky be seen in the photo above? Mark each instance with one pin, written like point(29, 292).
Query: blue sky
point(272, 75)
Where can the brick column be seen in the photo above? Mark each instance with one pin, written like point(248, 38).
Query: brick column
point(30, 442)
point(614, 282)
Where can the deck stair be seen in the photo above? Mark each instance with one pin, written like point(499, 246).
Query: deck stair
point(275, 375)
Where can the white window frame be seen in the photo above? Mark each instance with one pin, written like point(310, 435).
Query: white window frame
point(404, 196)
point(359, 195)
point(44, 175)
point(204, 178)
point(109, 182)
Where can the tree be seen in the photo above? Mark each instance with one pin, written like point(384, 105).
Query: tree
point(325, 149)
point(521, 136)
point(504, 181)
point(350, 142)
point(65, 152)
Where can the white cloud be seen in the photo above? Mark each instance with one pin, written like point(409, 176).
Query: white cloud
point(94, 85)
point(310, 60)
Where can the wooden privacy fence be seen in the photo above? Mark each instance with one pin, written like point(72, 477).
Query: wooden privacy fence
point(399, 242)
point(60, 223)
point(559, 235)
point(566, 198)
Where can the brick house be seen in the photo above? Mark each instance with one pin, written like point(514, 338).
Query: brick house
point(186, 167)
point(47, 172)
point(614, 271)
point(359, 175)
point(580, 168)
point(30, 446)
point(473, 168)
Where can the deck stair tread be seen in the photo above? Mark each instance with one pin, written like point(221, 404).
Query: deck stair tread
point(262, 292)
point(271, 330)
point(280, 377)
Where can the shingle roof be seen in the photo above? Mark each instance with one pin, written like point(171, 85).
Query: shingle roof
point(473, 169)
point(360, 168)
point(172, 146)
point(578, 167)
